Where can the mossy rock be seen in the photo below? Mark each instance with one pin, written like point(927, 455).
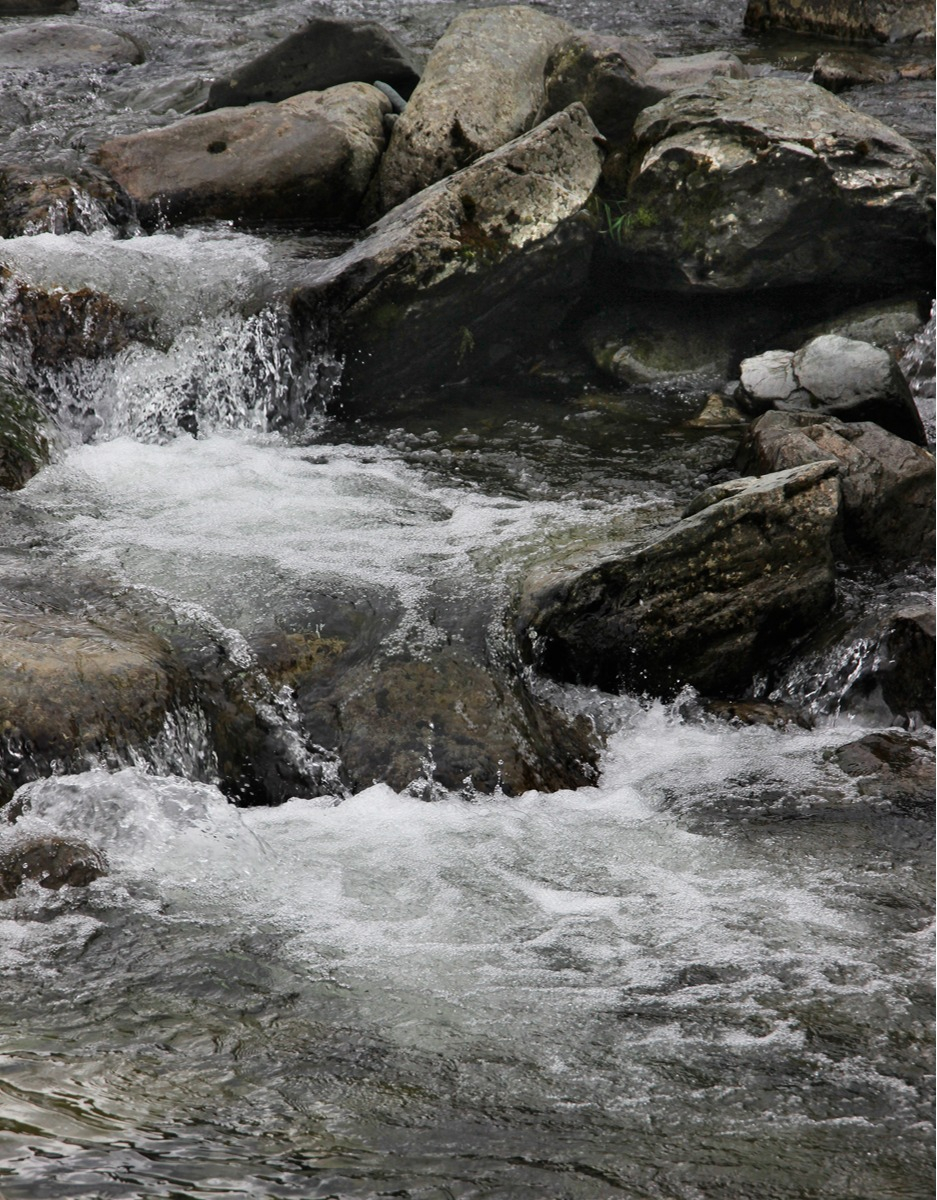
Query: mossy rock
point(24, 444)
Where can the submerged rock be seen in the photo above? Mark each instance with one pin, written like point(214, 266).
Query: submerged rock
point(852, 20)
point(324, 52)
point(716, 599)
point(24, 444)
point(51, 862)
point(482, 86)
point(746, 184)
point(887, 482)
point(464, 274)
point(310, 157)
point(894, 767)
point(49, 46)
point(837, 377)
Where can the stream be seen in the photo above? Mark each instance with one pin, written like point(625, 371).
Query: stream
point(707, 977)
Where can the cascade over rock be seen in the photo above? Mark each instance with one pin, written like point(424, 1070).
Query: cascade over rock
point(309, 157)
point(464, 274)
point(709, 603)
point(482, 86)
point(746, 184)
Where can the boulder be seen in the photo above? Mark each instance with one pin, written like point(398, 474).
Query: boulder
point(887, 483)
point(888, 324)
point(838, 72)
point(482, 86)
point(852, 20)
point(760, 183)
point(24, 445)
point(618, 77)
point(893, 767)
point(836, 377)
point(464, 274)
point(49, 46)
point(36, 8)
point(310, 157)
point(73, 690)
point(710, 603)
point(51, 862)
point(324, 52)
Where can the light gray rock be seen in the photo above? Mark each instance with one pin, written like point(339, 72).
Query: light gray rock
point(465, 274)
point(311, 156)
point(325, 52)
point(837, 377)
point(49, 45)
point(852, 20)
point(482, 86)
point(887, 483)
point(721, 596)
point(746, 184)
point(695, 70)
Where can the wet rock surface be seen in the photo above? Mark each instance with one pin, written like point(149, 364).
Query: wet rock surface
point(887, 482)
point(51, 862)
point(85, 203)
point(892, 767)
point(712, 601)
point(50, 46)
point(765, 182)
point(433, 293)
point(481, 87)
point(852, 20)
point(311, 157)
point(321, 54)
point(837, 377)
point(24, 441)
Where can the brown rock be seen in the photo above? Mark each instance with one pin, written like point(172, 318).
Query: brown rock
point(51, 862)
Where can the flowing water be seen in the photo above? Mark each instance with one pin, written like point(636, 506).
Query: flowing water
point(709, 975)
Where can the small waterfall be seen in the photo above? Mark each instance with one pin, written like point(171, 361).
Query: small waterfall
point(919, 363)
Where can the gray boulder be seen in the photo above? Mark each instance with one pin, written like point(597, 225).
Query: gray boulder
point(311, 157)
point(617, 77)
point(52, 862)
point(746, 184)
point(464, 274)
point(52, 46)
point(836, 377)
point(712, 602)
point(888, 324)
point(482, 86)
point(325, 52)
point(887, 483)
point(24, 444)
point(852, 20)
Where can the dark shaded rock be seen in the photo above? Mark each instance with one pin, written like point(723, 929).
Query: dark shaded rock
point(482, 86)
point(51, 862)
point(838, 72)
point(309, 157)
point(49, 46)
point(767, 182)
point(464, 274)
point(24, 445)
point(888, 324)
point(710, 603)
point(852, 20)
point(36, 8)
point(837, 377)
point(324, 52)
point(753, 712)
point(32, 203)
point(892, 766)
point(887, 483)
point(905, 670)
point(72, 689)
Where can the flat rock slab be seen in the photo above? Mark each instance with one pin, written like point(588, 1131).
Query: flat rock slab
point(715, 600)
point(310, 157)
point(51, 45)
point(837, 377)
point(482, 86)
point(325, 52)
point(745, 184)
point(851, 20)
point(463, 275)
